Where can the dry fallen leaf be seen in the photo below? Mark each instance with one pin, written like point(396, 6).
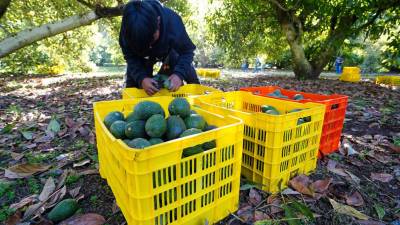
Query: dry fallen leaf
point(74, 192)
point(321, 186)
point(245, 213)
point(354, 178)
point(349, 150)
point(254, 197)
point(33, 209)
point(14, 219)
point(259, 215)
point(24, 170)
point(82, 163)
point(289, 191)
point(394, 148)
point(16, 156)
point(347, 210)
point(44, 221)
point(369, 222)
point(48, 189)
point(301, 184)
point(274, 200)
point(61, 179)
point(382, 177)
point(25, 201)
point(58, 196)
point(88, 172)
point(69, 122)
point(354, 199)
point(85, 219)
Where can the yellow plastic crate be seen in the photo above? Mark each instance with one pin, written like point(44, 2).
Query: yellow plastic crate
point(350, 74)
point(350, 77)
point(210, 73)
point(351, 70)
point(275, 148)
point(388, 80)
point(395, 80)
point(184, 91)
point(156, 186)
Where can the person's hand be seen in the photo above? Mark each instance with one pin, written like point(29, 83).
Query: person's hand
point(150, 86)
point(176, 82)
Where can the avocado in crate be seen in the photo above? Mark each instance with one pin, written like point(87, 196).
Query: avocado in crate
point(147, 125)
point(164, 180)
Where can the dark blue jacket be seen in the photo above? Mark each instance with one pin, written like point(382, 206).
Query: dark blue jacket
point(173, 36)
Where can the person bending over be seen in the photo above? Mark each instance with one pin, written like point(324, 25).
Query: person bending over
point(151, 33)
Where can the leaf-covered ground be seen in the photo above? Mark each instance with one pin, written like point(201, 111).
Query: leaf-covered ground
point(48, 121)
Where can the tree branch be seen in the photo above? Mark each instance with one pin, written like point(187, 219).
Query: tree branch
point(371, 20)
point(279, 5)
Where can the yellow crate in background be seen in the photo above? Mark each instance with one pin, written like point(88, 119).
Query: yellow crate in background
point(157, 186)
point(351, 70)
point(388, 80)
point(350, 74)
point(208, 73)
point(275, 147)
point(184, 91)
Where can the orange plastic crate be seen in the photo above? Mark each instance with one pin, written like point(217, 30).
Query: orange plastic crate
point(334, 115)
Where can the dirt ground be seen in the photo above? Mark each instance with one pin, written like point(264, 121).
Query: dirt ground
point(364, 175)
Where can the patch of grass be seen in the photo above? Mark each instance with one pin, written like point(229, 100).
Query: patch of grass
point(6, 190)
point(14, 109)
point(33, 186)
point(94, 199)
point(79, 144)
point(334, 157)
point(72, 179)
point(7, 196)
point(40, 158)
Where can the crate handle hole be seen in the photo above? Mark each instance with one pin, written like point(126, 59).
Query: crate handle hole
point(335, 106)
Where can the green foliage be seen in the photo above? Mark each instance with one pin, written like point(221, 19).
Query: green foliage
point(68, 50)
point(391, 52)
point(71, 179)
point(248, 28)
point(380, 211)
point(73, 50)
point(8, 196)
point(34, 186)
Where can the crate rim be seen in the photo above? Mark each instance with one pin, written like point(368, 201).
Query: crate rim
point(96, 105)
point(313, 105)
point(333, 97)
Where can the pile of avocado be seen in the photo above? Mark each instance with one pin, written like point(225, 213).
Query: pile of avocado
point(278, 94)
point(147, 125)
point(268, 109)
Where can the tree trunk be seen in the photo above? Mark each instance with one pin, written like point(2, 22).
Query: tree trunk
point(29, 36)
point(301, 67)
point(3, 7)
point(293, 30)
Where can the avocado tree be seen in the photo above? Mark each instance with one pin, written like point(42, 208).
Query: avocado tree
point(46, 31)
point(314, 30)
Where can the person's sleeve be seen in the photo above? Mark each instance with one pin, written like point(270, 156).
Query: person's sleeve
point(136, 66)
point(185, 48)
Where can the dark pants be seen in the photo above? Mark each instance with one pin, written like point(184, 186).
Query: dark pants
point(167, 68)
